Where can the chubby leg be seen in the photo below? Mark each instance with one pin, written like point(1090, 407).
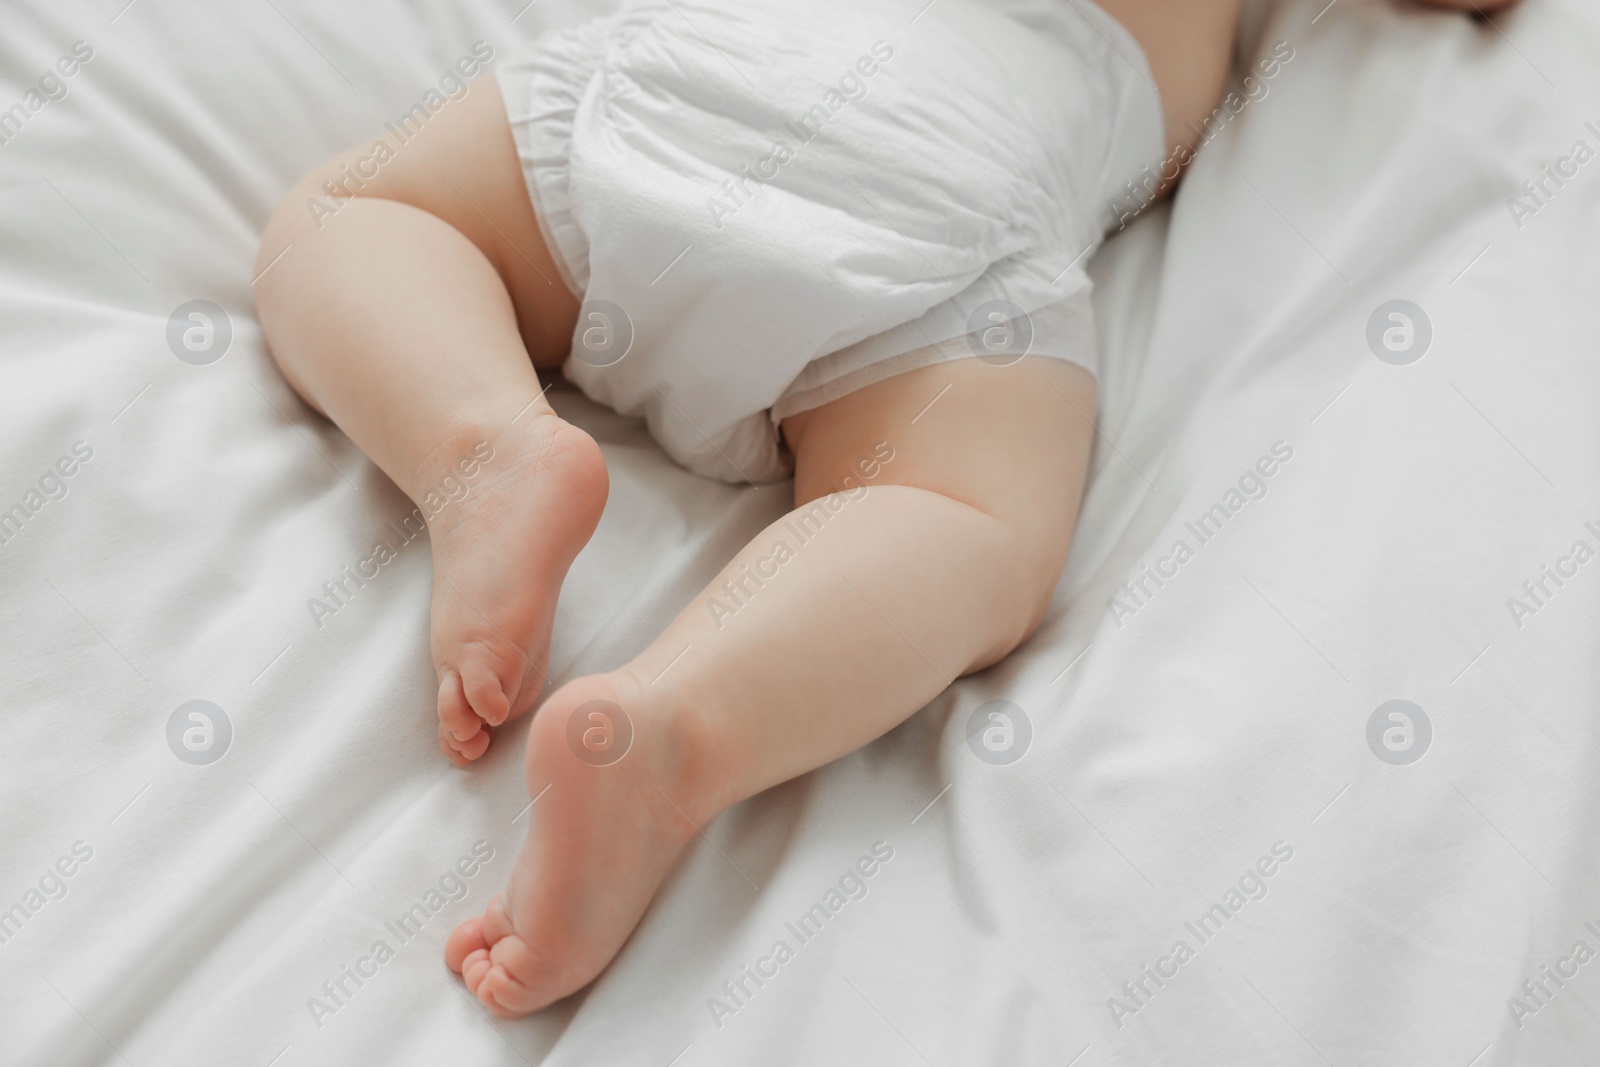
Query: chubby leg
point(415, 323)
point(926, 543)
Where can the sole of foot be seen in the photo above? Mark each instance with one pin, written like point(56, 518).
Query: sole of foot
point(500, 554)
point(619, 792)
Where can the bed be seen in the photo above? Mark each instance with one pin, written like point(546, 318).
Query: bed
point(1318, 788)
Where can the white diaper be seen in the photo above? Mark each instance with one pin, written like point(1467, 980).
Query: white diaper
point(766, 205)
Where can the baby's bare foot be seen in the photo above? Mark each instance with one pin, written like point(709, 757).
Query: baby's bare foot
point(601, 836)
point(499, 558)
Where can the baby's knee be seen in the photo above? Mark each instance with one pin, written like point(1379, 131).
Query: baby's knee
point(315, 197)
point(1027, 565)
point(288, 220)
point(1004, 571)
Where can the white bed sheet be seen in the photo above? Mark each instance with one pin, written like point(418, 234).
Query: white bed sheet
point(1172, 747)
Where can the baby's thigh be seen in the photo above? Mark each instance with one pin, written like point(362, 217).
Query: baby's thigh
point(1012, 441)
point(460, 165)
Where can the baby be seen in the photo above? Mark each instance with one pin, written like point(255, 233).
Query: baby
point(841, 239)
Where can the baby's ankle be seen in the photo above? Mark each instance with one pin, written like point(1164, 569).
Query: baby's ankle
point(454, 468)
point(688, 753)
point(479, 458)
point(473, 431)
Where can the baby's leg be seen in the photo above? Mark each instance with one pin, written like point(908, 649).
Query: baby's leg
point(398, 316)
point(1189, 47)
point(872, 607)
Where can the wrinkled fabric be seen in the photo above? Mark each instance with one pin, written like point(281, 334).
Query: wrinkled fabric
point(767, 204)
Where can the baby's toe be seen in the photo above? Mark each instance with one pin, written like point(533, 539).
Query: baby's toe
point(462, 753)
point(509, 978)
point(493, 961)
point(485, 692)
point(512, 955)
point(456, 716)
point(474, 969)
point(465, 940)
point(496, 920)
point(502, 993)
